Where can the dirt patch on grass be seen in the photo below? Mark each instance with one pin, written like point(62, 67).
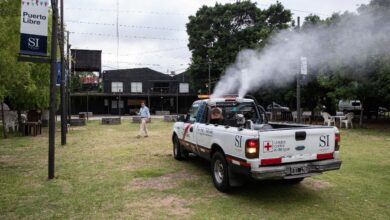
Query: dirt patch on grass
point(6, 158)
point(77, 128)
point(316, 184)
point(167, 181)
point(162, 206)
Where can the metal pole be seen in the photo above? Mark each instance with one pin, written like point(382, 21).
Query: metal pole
point(62, 90)
point(52, 108)
point(69, 113)
point(209, 76)
point(87, 105)
point(119, 100)
point(299, 86)
point(177, 99)
point(149, 99)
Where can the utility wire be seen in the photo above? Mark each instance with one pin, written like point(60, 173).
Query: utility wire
point(176, 13)
point(150, 51)
point(126, 36)
point(145, 64)
point(125, 26)
point(129, 11)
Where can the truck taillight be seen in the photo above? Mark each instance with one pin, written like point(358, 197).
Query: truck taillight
point(337, 139)
point(252, 148)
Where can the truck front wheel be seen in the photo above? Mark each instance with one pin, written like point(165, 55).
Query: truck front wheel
point(178, 152)
point(219, 172)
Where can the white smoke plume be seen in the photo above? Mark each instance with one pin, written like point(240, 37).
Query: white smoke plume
point(351, 41)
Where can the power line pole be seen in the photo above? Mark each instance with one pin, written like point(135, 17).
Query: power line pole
point(299, 85)
point(209, 61)
point(63, 106)
point(117, 34)
point(52, 108)
point(69, 113)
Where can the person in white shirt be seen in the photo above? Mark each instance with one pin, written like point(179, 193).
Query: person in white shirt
point(145, 115)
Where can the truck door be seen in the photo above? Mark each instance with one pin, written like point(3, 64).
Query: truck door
point(189, 137)
point(204, 133)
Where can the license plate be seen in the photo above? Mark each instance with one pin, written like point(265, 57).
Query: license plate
point(295, 170)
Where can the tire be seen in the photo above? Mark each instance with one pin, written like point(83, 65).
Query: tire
point(220, 172)
point(178, 152)
point(294, 181)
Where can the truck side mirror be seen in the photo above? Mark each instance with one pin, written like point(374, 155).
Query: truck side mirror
point(182, 118)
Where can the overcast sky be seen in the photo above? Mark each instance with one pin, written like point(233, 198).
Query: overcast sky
point(152, 32)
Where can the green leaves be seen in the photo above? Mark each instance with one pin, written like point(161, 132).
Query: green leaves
point(218, 33)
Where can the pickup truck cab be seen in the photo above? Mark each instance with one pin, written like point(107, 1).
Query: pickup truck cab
point(243, 142)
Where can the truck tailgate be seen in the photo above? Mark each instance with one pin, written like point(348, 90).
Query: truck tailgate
point(296, 144)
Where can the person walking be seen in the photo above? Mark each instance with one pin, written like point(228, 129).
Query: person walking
point(145, 116)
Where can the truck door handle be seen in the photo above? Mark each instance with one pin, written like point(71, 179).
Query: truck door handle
point(191, 129)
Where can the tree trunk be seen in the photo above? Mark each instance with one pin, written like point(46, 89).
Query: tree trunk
point(3, 120)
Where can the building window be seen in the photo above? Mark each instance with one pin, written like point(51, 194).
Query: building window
point(114, 104)
point(116, 86)
point(184, 88)
point(136, 87)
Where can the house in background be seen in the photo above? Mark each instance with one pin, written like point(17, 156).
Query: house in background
point(124, 89)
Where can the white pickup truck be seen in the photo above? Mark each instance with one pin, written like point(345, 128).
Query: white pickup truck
point(244, 142)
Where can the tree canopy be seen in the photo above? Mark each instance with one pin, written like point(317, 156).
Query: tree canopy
point(218, 33)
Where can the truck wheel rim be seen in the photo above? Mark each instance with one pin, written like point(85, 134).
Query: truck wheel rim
point(218, 171)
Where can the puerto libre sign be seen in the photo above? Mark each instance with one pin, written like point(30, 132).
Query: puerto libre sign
point(33, 27)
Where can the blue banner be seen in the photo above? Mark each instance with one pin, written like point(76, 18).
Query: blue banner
point(58, 73)
point(33, 44)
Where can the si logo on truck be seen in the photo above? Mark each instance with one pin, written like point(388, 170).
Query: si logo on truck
point(324, 141)
point(238, 141)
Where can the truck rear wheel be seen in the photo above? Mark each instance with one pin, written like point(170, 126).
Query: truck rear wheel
point(178, 152)
point(219, 172)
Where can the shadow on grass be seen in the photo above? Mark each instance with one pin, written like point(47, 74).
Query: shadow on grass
point(272, 191)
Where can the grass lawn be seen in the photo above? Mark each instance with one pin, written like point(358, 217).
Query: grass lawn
point(105, 172)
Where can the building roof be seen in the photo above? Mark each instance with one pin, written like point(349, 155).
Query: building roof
point(183, 77)
point(138, 73)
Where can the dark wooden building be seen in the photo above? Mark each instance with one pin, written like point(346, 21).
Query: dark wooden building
point(123, 90)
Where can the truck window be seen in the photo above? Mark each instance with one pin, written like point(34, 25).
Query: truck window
point(231, 109)
point(193, 112)
point(201, 116)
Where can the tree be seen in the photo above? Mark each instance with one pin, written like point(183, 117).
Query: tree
point(26, 85)
point(218, 33)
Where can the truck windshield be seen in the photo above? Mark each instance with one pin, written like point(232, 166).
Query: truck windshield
point(231, 109)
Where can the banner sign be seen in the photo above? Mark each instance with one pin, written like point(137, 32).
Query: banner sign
point(58, 74)
point(33, 27)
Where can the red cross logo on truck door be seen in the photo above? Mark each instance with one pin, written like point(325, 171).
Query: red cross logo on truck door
point(267, 146)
